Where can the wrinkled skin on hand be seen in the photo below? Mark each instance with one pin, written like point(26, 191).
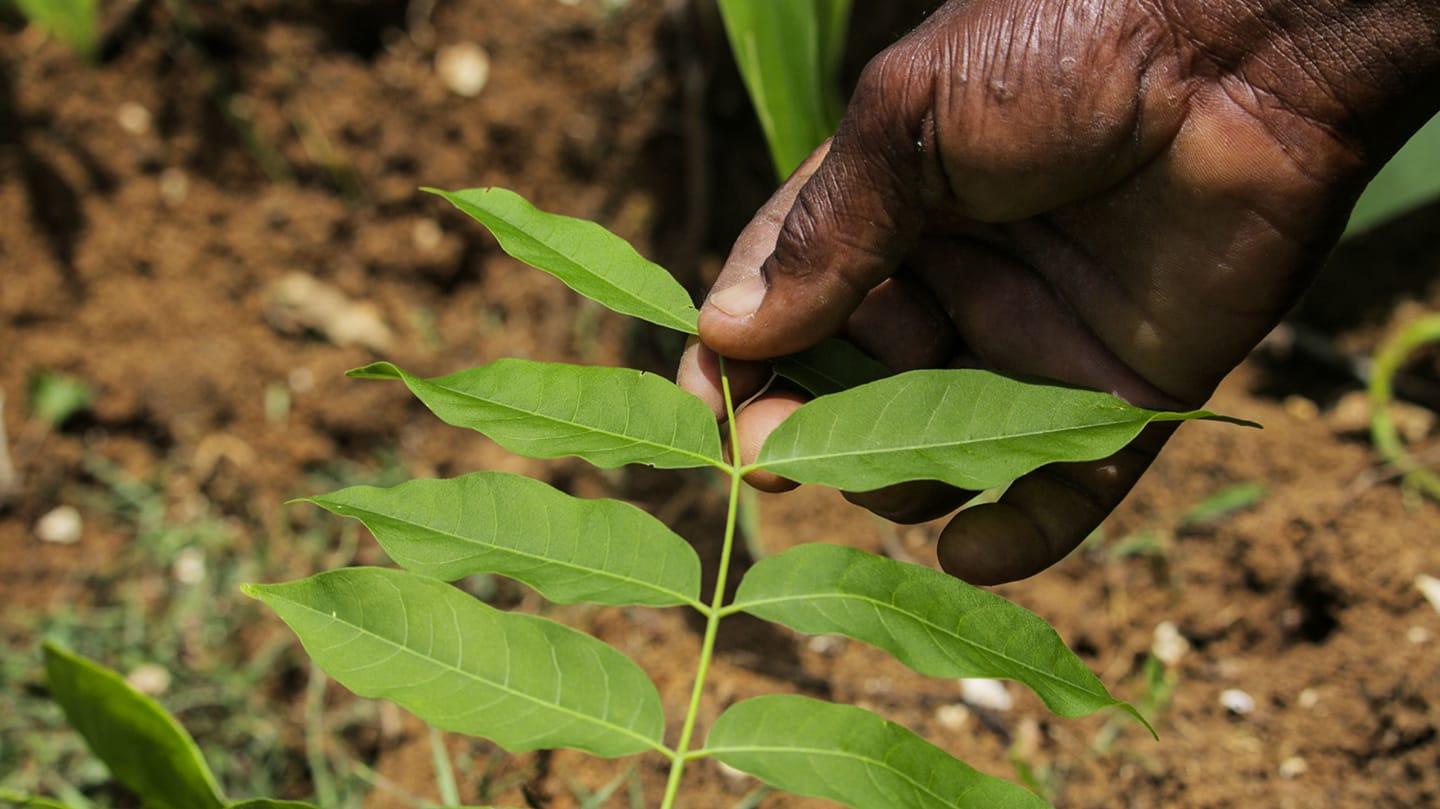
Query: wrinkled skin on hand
point(1125, 196)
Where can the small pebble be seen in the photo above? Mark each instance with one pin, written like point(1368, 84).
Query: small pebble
point(465, 68)
point(1301, 409)
point(174, 186)
point(1430, 588)
point(828, 645)
point(133, 118)
point(952, 717)
point(1168, 645)
point(1237, 702)
point(987, 694)
point(301, 380)
point(1417, 635)
point(427, 234)
point(189, 566)
point(61, 525)
point(149, 679)
point(1308, 698)
point(1293, 767)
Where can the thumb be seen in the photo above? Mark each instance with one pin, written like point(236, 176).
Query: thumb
point(837, 228)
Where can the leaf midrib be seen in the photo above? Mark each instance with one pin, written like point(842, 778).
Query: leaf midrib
point(652, 744)
point(1149, 417)
point(673, 320)
point(746, 605)
point(588, 428)
point(681, 597)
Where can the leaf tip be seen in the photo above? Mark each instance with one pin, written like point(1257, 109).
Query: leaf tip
point(255, 591)
point(375, 370)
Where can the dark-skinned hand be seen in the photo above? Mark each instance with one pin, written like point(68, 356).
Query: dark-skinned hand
point(1125, 196)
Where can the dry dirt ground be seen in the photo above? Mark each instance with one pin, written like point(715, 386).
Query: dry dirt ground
point(146, 253)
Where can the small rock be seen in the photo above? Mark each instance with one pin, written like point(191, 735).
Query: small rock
point(133, 118)
point(1417, 635)
point(828, 645)
point(989, 695)
point(1237, 702)
point(149, 679)
point(1308, 698)
point(1293, 767)
point(300, 302)
point(174, 186)
point(465, 68)
point(952, 717)
point(1430, 588)
point(427, 234)
point(1351, 414)
point(300, 380)
point(1301, 409)
point(189, 566)
point(1168, 645)
point(61, 525)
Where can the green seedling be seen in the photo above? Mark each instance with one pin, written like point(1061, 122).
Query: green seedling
point(55, 398)
point(1388, 360)
point(1224, 503)
point(74, 22)
point(529, 683)
point(143, 746)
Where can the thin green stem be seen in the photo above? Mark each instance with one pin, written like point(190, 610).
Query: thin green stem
point(444, 772)
point(717, 602)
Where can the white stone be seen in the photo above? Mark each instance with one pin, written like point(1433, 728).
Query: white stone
point(1293, 767)
point(174, 186)
point(1168, 645)
point(990, 695)
point(1417, 635)
point(1430, 588)
point(133, 118)
point(427, 234)
point(149, 679)
point(62, 525)
point(1308, 698)
point(465, 68)
point(1237, 701)
point(828, 645)
point(952, 717)
point(189, 566)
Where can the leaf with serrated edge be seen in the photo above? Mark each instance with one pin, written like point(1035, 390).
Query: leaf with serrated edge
point(933, 623)
point(851, 756)
point(608, 416)
point(569, 549)
point(972, 429)
point(139, 741)
point(585, 256)
point(830, 367)
point(526, 683)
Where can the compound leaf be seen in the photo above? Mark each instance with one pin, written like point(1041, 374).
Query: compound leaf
point(851, 756)
point(969, 428)
point(585, 256)
point(933, 623)
point(608, 416)
point(142, 744)
point(830, 367)
point(527, 683)
point(569, 549)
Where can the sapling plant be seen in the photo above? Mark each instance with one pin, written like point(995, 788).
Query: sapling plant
point(529, 683)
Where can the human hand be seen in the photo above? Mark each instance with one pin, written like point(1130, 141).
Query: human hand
point(1122, 196)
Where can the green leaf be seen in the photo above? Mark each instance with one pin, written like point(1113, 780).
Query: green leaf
point(608, 416)
point(851, 756)
point(588, 258)
point(270, 803)
point(787, 54)
point(524, 682)
point(1410, 180)
point(18, 801)
point(933, 623)
point(73, 22)
point(972, 429)
point(142, 745)
point(571, 550)
point(1225, 502)
point(54, 398)
point(830, 367)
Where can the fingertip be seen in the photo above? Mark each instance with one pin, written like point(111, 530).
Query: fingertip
point(699, 373)
point(913, 502)
point(992, 544)
point(755, 423)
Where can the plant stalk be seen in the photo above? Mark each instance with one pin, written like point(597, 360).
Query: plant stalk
point(717, 601)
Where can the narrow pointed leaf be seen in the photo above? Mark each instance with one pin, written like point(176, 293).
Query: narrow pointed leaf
point(524, 682)
point(972, 429)
point(830, 367)
point(853, 757)
point(17, 801)
point(142, 745)
point(270, 803)
point(608, 416)
point(588, 258)
point(571, 550)
point(933, 623)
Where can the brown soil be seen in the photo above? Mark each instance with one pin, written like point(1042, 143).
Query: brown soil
point(143, 261)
